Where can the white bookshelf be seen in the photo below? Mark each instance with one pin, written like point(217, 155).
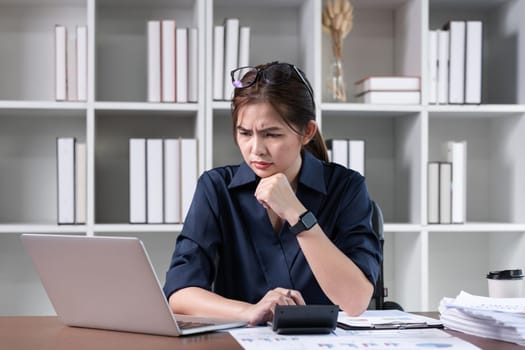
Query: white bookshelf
point(423, 262)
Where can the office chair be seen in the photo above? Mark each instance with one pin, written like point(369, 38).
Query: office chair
point(380, 292)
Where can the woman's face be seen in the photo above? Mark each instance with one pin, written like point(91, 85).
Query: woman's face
point(267, 144)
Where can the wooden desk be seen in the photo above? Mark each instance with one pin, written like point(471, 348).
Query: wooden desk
point(48, 333)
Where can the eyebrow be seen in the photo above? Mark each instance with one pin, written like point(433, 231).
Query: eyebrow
point(271, 128)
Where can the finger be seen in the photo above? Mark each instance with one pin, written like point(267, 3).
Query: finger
point(296, 296)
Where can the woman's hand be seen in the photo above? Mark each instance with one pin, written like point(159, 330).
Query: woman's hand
point(276, 193)
point(263, 311)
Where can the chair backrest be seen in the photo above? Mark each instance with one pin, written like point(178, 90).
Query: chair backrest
point(380, 292)
point(377, 226)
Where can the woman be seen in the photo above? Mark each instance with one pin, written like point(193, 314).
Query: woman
point(285, 226)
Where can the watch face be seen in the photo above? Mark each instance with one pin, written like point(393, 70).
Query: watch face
point(309, 220)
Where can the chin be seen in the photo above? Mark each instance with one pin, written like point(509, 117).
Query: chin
point(264, 173)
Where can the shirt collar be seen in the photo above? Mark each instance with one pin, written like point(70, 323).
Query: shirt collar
point(310, 175)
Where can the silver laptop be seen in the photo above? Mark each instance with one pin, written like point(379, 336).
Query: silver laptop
point(108, 283)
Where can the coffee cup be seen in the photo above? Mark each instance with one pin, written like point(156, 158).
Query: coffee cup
point(505, 283)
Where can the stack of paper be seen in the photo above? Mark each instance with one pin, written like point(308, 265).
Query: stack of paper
point(496, 318)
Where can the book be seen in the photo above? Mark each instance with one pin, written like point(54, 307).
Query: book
point(433, 66)
point(218, 62)
point(456, 92)
point(168, 78)
point(390, 97)
point(154, 61)
point(181, 70)
point(189, 166)
point(433, 193)
point(193, 65)
point(338, 151)
point(81, 63)
point(445, 192)
point(244, 46)
point(231, 54)
point(60, 63)
point(80, 183)
point(154, 181)
point(456, 153)
point(356, 155)
point(71, 68)
point(66, 180)
point(387, 83)
point(443, 59)
point(473, 61)
point(137, 180)
point(172, 181)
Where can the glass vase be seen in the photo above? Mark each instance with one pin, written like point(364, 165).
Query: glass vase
point(338, 87)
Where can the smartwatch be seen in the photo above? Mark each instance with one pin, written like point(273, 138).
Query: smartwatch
point(306, 221)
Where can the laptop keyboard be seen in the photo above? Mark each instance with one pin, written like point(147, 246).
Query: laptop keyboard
point(190, 325)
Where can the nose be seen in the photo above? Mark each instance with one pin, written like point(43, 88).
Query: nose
point(258, 146)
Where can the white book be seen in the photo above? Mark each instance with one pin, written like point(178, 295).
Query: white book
point(445, 192)
point(244, 46)
point(181, 70)
point(81, 58)
point(388, 83)
point(338, 150)
point(433, 66)
point(81, 183)
point(154, 61)
point(168, 60)
point(137, 180)
point(189, 172)
point(356, 155)
point(390, 97)
point(71, 69)
point(456, 92)
point(231, 54)
point(154, 181)
point(66, 180)
point(456, 153)
point(172, 181)
point(473, 62)
point(193, 65)
point(60, 63)
point(433, 193)
point(218, 62)
point(443, 59)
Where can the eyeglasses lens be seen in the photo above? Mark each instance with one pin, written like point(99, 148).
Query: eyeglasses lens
point(244, 77)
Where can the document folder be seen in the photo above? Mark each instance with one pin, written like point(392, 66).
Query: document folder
point(386, 319)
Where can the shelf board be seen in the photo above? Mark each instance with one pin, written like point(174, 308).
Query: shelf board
point(42, 105)
point(221, 105)
point(474, 111)
point(365, 109)
point(134, 228)
point(465, 4)
point(394, 227)
point(478, 227)
point(146, 106)
point(41, 228)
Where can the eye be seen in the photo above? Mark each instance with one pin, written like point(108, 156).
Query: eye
point(244, 132)
point(273, 135)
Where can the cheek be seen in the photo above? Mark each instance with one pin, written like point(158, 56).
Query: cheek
point(244, 146)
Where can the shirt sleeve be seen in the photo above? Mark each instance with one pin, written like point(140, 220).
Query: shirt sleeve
point(354, 234)
point(192, 263)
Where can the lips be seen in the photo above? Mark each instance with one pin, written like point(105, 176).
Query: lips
point(261, 165)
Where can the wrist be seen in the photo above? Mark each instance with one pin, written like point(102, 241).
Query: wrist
point(306, 221)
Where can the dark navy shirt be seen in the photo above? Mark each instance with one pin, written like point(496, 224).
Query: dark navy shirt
point(228, 244)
